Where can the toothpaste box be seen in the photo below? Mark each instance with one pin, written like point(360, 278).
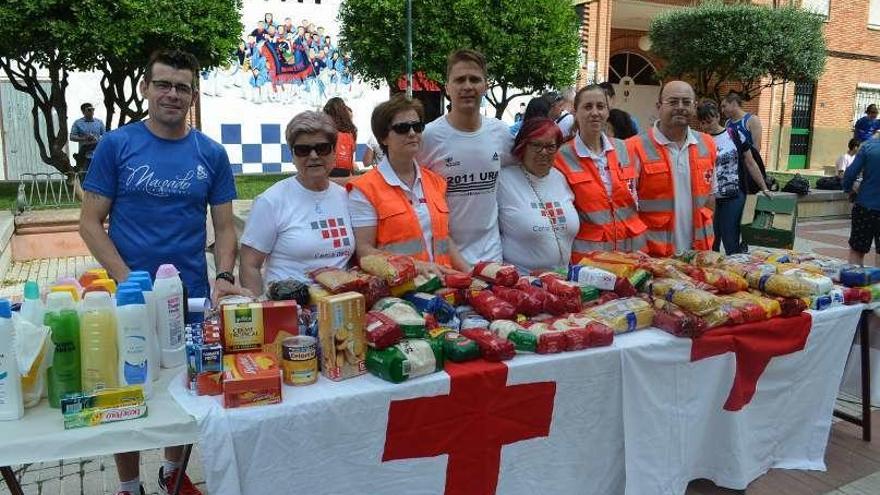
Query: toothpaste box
point(103, 406)
point(251, 379)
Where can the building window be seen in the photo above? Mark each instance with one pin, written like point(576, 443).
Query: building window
point(821, 7)
point(874, 14)
point(631, 68)
point(866, 94)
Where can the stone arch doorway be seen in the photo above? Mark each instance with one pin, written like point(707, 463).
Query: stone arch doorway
point(636, 86)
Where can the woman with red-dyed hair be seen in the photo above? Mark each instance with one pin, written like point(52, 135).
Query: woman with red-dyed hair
point(536, 212)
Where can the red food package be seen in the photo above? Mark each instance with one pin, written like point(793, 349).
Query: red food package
point(678, 323)
point(381, 331)
point(601, 335)
point(375, 289)
point(457, 280)
point(336, 280)
point(491, 307)
point(791, 306)
point(395, 269)
point(855, 295)
point(549, 302)
point(560, 287)
point(624, 288)
point(492, 347)
point(523, 302)
point(455, 297)
point(577, 339)
point(726, 282)
point(431, 322)
point(496, 273)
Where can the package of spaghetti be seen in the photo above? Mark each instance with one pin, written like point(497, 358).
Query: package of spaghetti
point(688, 297)
point(725, 281)
point(411, 322)
point(748, 310)
point(617, 257)
point(491, 307)
point(769, 306)
point(492, 347)
point(668, 271)
point(496, 273)
point(457, 280)
point(381, 331)
point(523, 302)
point(392, 268)
point(780, 285)
point(337, 281)
point(819, 283)
point(619, 269)
point(674, 320)
point(745, 269)
point(624, 315)
point(856, 295)
point(859, 276)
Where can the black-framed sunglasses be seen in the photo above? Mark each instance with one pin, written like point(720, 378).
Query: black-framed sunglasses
point(404, 127)
point(321, 149)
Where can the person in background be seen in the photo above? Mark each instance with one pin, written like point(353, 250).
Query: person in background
point(156, 179)
point(620, 124)
point(609, 91)
point(468, 150)
point(400, 207)
point(87, 131)
point(374, 153)
point(566, 119)
point(268, 19)
point(747, 125)
point(733, 161)
point(536, 212)
point(847, 158)
point(300, 223)
point(346, 141)
point(260, 31)
point(866, 210)
point(867, 125)
point(600, 172)
point(518, 116)
point(537, 107)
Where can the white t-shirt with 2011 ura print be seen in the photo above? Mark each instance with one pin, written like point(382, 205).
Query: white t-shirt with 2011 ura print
point(300, 230)
point(470, 163)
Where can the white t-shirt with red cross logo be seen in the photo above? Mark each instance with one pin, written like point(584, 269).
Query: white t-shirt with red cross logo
point(300, 229)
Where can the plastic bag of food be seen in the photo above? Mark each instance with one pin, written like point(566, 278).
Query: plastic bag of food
point(456, 347)
point(833, 298)
point(374, 288)
point(707, 258)
point(624, 315)
point(392, 268)
point(548, 340)
point(856, 295)
point(659, 269)
point(337, 281)
point(457, 280)
point(619, 269)
point(725, 281)
point(427, 283)
point(590, 294)
point(455, 297)
point(288, 289)
point(672, 319)
point(492, 347)
point(411, 322)
point(601, 335)
point(689, 298)
point(831, 268)
point(617, 257)
point(408, 359)
point(788, 306)
point(496, 273)
point(431, 304)
point(640, 278)
point(718, 318)
point(549, 302)
point(859, 276)
point(748, 310)
point(381, 331)
point(523, 302)
point(491, 307)
point(560, 287)
point(523, 340)
point(770, 306)
point(590, 276)
point(820, 284)
point(780, 285)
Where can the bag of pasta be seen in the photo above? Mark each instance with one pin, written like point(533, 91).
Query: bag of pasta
point(491, 307)
point(496, 273)
point(492, 347)
point(583, 332)
point(392, 268)
point(374, 288)
point(619, 269)
point(672, 319)
point(688, 297)
point(523, 302)
point(550, 303)
point(780, 285)
point(770, 307)
point(337, 281)
point(707, 258)
point(617, 257)
point(819, 283)
point(624, 315)
point(788, 306)
point(749, 311)
point(457, 280)
point(725, 281)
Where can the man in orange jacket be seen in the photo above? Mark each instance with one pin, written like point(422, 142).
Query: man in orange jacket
point(676, 176)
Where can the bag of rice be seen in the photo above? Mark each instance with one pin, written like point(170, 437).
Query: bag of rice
point(496, 273)
point(411, 322)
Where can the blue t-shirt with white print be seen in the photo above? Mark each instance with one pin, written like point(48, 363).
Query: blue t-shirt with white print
point(160, 191)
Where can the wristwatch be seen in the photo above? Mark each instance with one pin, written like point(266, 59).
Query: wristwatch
point(227, 276)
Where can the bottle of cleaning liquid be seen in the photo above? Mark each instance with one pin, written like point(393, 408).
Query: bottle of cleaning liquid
point(133, 339)
point(170, 316)
point(11, 399)
point(98, 348)
point(65, 374)
point(141, 281)
point(32, 308)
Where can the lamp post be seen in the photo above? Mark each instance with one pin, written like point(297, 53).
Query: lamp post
point(409, 57)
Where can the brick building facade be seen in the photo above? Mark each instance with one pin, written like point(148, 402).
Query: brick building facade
point(805, 125)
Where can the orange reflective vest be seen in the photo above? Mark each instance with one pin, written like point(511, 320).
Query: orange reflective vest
point(398, 229)
point(656, 194)
point(607, 223)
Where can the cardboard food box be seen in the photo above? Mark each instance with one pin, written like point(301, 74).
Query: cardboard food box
point(258, 326)
point(251, 379)
point(204, 359)
point(103, 406)
point(774, 223)
point(341, 320)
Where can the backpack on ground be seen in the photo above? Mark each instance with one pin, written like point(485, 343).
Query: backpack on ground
point(797, 185)
point(832, 183)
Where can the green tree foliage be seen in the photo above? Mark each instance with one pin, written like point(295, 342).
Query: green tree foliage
point(756, 46)
point(529, 45)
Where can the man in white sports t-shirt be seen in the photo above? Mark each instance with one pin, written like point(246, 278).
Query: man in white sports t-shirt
point(468, 150)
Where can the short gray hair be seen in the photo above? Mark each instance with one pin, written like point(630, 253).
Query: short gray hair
point(310, 122)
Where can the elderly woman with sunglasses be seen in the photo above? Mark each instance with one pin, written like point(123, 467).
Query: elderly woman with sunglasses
point(301, 223)
point(399, 206)
point(536, 211)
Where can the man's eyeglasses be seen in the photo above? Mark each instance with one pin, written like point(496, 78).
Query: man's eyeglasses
point(303, 150)
point(545, 147)
point(165, 87)
point(404, 127)
point(678, 102)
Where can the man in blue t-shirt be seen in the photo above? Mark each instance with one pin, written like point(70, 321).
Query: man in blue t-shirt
point(155, 179)
point(865, 230)
point(86, 131)
point(867, 125)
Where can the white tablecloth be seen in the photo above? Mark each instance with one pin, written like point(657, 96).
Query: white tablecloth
point(644, 392)
point(40, 435)
point(852, 376)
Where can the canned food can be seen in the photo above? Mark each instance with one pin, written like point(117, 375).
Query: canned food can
point(299, 360)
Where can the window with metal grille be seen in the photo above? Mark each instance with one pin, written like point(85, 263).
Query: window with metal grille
point(802, 111)
point(865, 95)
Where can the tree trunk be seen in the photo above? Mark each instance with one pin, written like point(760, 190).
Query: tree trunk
point(119, 85)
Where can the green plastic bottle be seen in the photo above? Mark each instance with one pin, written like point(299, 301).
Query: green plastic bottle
point(65, 373)
point(410, 358)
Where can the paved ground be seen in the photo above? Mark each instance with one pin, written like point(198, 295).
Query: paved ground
point(853, 465)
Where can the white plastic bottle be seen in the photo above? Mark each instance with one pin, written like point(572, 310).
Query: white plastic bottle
point(170, 316)
point(99, 351)
point(11, 399)
point(134, 340)
point(32, 308)
point(142, 279)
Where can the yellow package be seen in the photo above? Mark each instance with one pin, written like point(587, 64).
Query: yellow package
point(687, 297)
point(619, 269)
point(316, 293)
point(624, 315)
point(341, 320)
point(780, 285)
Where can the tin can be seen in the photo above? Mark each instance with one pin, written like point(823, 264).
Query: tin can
point(299, 361)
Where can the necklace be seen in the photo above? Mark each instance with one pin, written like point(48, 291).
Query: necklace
point(541, 204)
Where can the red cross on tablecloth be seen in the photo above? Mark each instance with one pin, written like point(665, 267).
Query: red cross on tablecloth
point(755, 345)
point(480, 415)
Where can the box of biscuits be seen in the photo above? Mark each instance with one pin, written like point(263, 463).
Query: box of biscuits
point(341, 319)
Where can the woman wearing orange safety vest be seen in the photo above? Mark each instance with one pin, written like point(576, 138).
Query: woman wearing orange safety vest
point(400, 207)
point(599, 171)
